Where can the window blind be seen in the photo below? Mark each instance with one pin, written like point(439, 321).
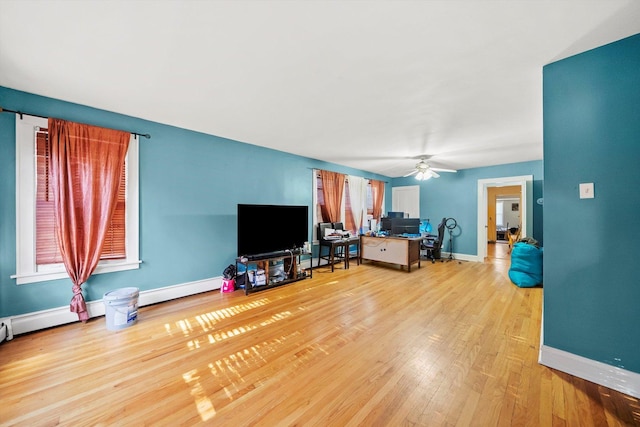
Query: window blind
point(47, 251)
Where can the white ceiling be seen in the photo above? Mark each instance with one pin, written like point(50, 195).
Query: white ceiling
point(366, 84)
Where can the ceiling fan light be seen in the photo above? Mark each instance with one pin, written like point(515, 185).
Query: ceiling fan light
point(420, 176)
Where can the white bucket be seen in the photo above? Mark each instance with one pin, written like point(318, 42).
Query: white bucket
point(121, 308)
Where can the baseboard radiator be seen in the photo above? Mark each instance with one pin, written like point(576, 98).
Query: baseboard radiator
point(30, 322)
point(4, 331)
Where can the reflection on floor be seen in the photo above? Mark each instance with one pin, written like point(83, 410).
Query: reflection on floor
point(499, 250)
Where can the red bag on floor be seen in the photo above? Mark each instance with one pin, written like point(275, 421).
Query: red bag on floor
point(228, 285)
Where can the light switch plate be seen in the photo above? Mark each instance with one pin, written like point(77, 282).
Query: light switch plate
point(586, 190)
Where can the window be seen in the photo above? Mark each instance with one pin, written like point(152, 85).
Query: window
point(37, 255)
point(346, 215)
point(500, 214)
point(47, 250)
point(349, 221)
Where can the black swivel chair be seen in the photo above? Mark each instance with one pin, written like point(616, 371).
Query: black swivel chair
point(434, 245)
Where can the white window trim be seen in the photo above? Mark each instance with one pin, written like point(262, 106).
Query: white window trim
point(26, 269)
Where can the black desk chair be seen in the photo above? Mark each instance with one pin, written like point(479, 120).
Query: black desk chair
point(433, 244)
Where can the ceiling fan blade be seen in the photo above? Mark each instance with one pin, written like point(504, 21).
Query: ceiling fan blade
point(444, 170)
point(410, 173)
point(433, 173)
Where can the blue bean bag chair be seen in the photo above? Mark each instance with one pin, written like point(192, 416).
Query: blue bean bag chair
point(526, 265)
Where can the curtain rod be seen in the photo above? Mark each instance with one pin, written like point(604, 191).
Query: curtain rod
point(317, 175)
point(21, 113)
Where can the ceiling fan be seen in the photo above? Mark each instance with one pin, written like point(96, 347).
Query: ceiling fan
point(423, 171)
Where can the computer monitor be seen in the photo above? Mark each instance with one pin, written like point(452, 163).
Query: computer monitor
point(405, 226)
point(395, 214)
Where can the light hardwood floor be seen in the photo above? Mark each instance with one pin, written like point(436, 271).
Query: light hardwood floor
point(451, 343)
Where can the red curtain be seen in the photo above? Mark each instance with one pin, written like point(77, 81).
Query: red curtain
point(86, 166)
point(377, 191)
point(332, 188)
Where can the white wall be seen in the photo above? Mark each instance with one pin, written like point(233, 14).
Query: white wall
point(510, 217)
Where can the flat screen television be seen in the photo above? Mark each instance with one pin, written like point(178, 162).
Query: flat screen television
point(269, 228)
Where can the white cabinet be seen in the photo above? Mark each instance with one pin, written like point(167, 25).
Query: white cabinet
point(394, 250)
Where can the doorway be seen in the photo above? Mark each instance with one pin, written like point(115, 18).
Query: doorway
point(508, 186)
point(503, 213)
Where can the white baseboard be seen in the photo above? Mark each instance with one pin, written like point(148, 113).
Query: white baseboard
point(444, 256)
point(29, 322)
point(618, 379)
point(461, 257)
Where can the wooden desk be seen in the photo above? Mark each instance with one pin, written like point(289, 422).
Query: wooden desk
point(394, 250)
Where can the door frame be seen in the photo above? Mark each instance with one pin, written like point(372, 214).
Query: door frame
point(526, 194)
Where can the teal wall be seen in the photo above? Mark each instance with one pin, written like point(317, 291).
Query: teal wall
point(455, 195)
point(592, 134)
point(190, 185)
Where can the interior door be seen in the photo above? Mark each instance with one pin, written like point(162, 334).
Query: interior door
point(406, 199)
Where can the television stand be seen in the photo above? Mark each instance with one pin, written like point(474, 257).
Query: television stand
point(279, 267)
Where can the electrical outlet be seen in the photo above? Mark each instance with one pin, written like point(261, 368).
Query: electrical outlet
point(586, 190)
